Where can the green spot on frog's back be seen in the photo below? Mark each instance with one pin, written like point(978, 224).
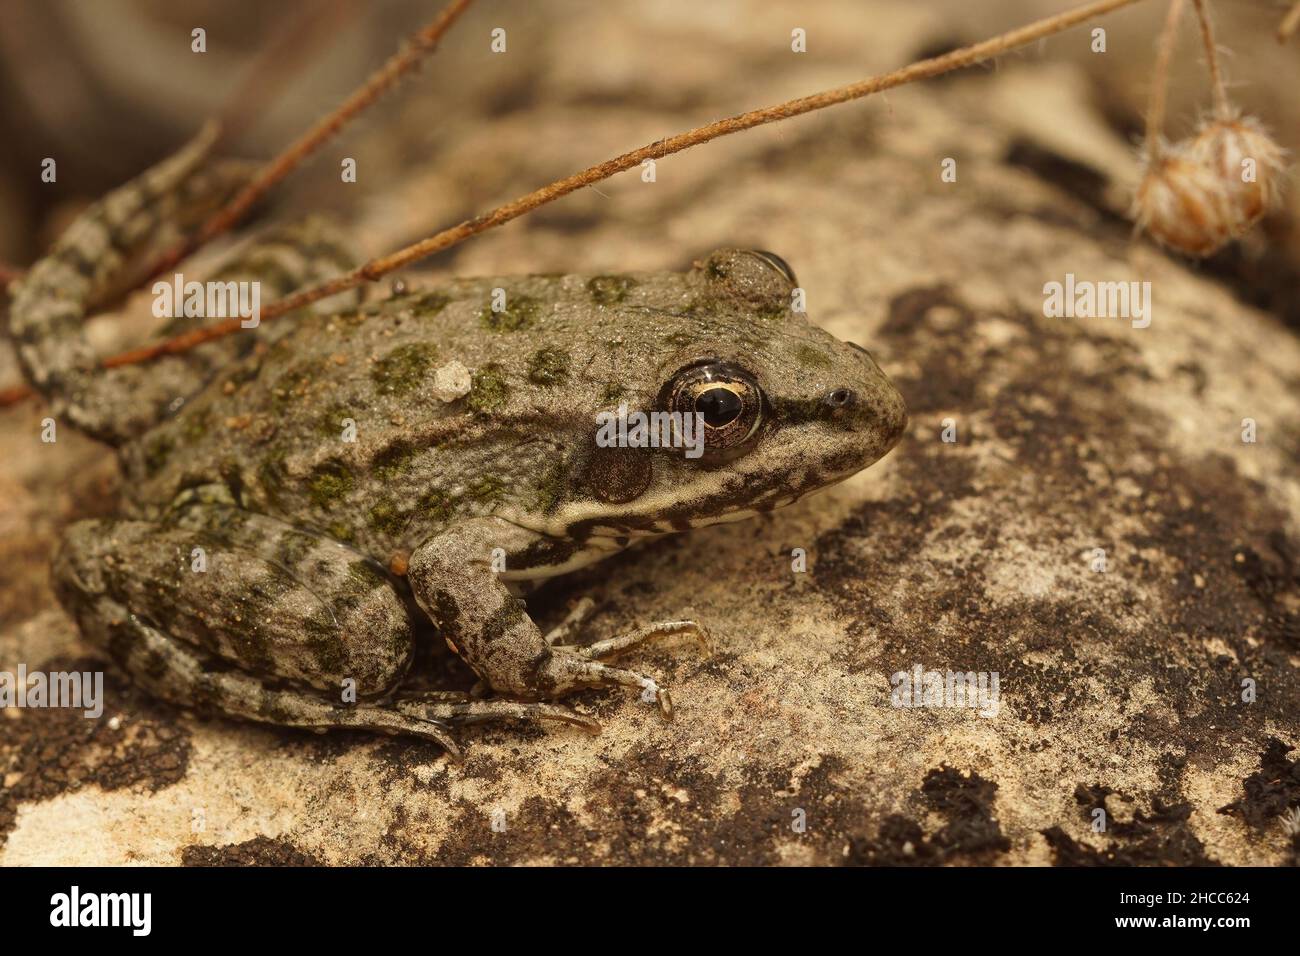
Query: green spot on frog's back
point(549, 366)
point(435, 506)
point(329, 483)
point(488, 389)
point(402, 369)
point(386, 517)
point(393, 460)
point(610, 290)
point(486, 489)
point(520, 312)
point(814, 357)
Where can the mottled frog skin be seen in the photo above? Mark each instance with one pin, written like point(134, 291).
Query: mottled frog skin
point(296, 496)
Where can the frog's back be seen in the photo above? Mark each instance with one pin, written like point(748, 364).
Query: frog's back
point(381, 425)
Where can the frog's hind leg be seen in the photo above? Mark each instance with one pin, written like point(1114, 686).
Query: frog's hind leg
point(239, 613)
point(461, 710)
point(173, 672)
point(51, 302)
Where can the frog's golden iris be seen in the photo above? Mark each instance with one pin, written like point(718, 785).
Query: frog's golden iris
point(725, 395)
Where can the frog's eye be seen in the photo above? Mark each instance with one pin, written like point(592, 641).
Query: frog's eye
point(777, 263)
point(724, 397)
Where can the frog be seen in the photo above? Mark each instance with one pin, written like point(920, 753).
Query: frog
point(302, 500)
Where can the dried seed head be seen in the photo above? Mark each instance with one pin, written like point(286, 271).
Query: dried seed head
point(1183, 204)
point(1201, 193)
point(1242, 154)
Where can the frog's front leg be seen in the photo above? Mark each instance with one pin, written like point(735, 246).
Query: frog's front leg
point(453, 580)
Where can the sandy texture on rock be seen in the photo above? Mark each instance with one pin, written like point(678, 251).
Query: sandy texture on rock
point(1120, 689)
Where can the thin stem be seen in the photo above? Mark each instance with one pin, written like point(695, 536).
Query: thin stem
point(278, 62)
point(922, 69)
point(1290, 23)
point(1222, 108)
point(380, 82)
point(1160, 80)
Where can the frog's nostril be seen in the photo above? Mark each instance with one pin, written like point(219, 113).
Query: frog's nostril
point(840, 398)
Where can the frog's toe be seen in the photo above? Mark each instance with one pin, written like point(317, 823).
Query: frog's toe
point(577, 614)
point(566, 671)
point(406, 724)
point(468, 711)
point(616, 645)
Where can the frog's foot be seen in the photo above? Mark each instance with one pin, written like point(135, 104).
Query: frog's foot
point(490, 629)
point(459, 709)
point(584, 665)
point(565, 671)
point(577, 614)
point(616, 645)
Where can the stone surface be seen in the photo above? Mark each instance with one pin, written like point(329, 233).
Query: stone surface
point(1120, 690)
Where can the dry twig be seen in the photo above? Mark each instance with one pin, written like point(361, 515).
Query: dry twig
point(1222, 108)
point(380, 82)
point(1160, 80)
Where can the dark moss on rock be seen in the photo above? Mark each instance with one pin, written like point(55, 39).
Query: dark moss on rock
point(520, 312)
point(259, 851)
point(549, 366)
point(488, 389)
point(403, 369)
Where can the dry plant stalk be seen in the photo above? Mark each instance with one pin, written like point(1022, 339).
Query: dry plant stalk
point(1160, 80)
point(1290, 23)
point(1222, 108)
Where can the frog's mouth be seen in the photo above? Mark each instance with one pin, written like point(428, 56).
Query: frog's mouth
point(709, 497)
